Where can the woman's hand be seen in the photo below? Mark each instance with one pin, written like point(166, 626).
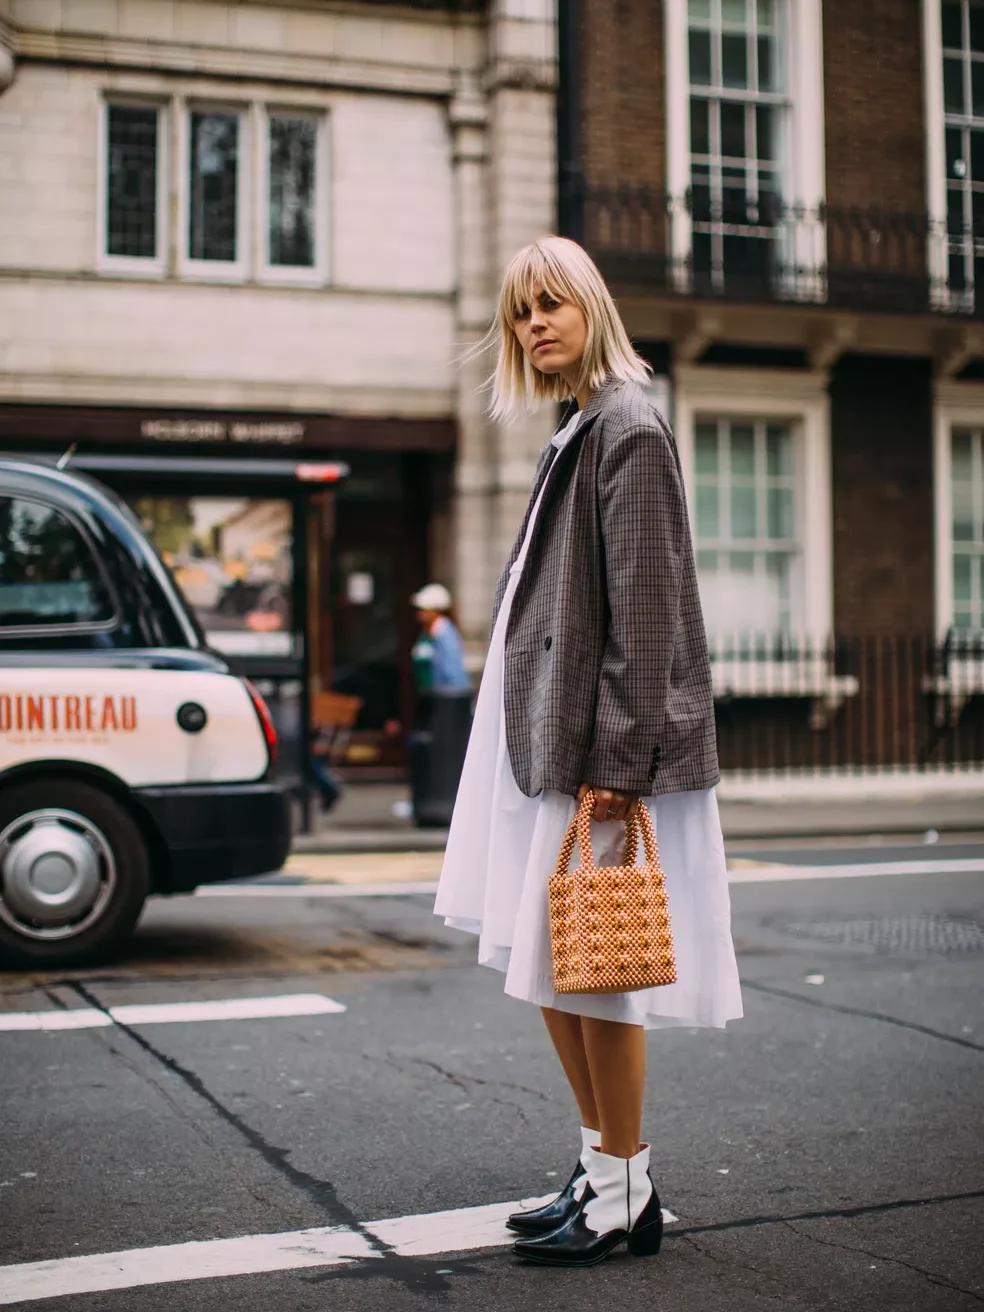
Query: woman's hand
point(609, 804)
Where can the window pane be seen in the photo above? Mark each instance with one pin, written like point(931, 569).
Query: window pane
point(779, 450)
point(706, 452)
point(213, 213)
point(977, 88)
point(699, 10)
point(741, 562)
point(742, 449)
point(977, 154)
point(743, 516)
point(765, 125)
point(956, 166)
point(962, 487)
point(734, 60)
point(955, 210)
point(768, 65)
point(232, 557)
point(707, 562)
point(733, 130)
point(977, 29)
point(780, 512)
point(766, 14)
point(977, 211)
point(700, 58)
point(952, 26)
point(293, 154)
point(47, 573)
point(700, 137)
point(734, 12)
point(131, 182)
point(708, 527)
point(953, 97)
point(961, 577)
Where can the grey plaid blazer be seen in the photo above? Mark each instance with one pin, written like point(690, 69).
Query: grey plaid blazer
point(607, 677)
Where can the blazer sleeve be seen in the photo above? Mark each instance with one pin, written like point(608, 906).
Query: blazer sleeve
point(646, 539)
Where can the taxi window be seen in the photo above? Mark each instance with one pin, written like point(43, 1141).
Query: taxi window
point(48, 576)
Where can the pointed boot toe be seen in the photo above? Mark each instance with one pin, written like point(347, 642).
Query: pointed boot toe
point(543, 1220)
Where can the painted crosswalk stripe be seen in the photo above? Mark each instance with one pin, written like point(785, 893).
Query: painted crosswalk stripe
point(464, 1230)
point(170, 1013)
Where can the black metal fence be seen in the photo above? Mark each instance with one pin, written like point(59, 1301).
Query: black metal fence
point(768, 250)
point(865, 704)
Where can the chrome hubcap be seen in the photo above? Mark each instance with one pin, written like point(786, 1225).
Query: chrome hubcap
point(57, 874)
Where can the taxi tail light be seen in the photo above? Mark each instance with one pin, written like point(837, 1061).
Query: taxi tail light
point(266, 723)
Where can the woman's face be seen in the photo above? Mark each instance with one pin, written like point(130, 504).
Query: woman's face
point(552, 333)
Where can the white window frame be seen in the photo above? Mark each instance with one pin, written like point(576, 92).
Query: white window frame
point(942, 297)
point(957, 405)
point(805, 163)
point(317, 274)
point(801, 399)
point(237, 270)
point(133, 265)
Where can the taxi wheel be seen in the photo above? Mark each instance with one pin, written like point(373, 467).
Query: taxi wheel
point(74, 873)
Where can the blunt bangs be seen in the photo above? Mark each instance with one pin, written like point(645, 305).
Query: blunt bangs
point(565, 271)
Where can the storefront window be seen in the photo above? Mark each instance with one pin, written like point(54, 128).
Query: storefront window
point(232, 559)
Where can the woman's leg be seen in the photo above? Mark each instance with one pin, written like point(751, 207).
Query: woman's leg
point(565, 1032)
point(616, 1061)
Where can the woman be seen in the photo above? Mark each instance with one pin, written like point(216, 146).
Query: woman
point(597, 676)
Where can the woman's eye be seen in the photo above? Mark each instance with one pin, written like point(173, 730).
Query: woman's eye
point(548, 303)
point(521, 312)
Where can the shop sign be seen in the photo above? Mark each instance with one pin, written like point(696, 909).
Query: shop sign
point(217, 430)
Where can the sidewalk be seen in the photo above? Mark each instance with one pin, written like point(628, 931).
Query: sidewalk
point(365, 821)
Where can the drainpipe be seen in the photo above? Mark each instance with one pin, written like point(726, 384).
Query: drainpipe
point(570, 183)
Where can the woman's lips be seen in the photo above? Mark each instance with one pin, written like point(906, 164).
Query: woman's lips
point(542, 345)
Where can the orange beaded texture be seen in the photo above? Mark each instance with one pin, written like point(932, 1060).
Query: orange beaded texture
point(610, 926)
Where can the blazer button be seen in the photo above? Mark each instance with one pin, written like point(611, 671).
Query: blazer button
point(548, 643)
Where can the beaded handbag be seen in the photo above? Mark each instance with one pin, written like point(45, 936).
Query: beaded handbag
point(610, 926)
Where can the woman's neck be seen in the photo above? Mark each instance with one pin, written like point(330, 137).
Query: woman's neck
point(581, 395)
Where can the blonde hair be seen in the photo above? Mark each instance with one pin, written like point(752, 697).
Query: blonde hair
point(565, 271)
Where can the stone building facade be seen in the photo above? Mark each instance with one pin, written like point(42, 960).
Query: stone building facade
point(235, 230)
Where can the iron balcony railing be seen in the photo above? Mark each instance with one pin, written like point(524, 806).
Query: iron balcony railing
point(800, 705)
point(769, 250)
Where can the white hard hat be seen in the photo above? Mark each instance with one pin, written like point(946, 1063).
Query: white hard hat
point(434, 597)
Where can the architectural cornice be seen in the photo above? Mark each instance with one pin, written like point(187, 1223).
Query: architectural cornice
point(180, 58)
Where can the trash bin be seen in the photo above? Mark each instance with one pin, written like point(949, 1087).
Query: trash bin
point(437, 753)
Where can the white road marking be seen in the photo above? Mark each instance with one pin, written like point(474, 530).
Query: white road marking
point(164, 1013)
point(764, 874)
point(743, 875)
point(461, 1231)
point(401, 889)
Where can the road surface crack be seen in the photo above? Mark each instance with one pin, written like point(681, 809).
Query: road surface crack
point(727, 1260)
point(931, 1276)
point(464, 1082)
point(792, 996)
point(321, 1192)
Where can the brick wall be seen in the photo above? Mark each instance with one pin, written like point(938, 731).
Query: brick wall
point(873, 79)
point(882, 470)
point(623, 95)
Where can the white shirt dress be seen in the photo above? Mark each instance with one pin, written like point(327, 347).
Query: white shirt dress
point(502, 849)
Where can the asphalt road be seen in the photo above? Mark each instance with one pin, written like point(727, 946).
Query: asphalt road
point(824, 1153)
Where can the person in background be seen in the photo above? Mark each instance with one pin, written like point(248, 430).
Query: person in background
point(438, 654)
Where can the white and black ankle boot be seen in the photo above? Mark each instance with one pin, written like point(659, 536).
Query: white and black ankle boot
point(619, 1204)
point(553, 1214)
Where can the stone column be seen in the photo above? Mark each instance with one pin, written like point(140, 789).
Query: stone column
point(521, 82)
point(504, 135)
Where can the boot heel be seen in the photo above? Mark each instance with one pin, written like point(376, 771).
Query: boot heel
point(645, 1242)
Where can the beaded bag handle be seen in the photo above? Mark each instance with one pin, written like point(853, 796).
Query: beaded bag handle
point(579, 833)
